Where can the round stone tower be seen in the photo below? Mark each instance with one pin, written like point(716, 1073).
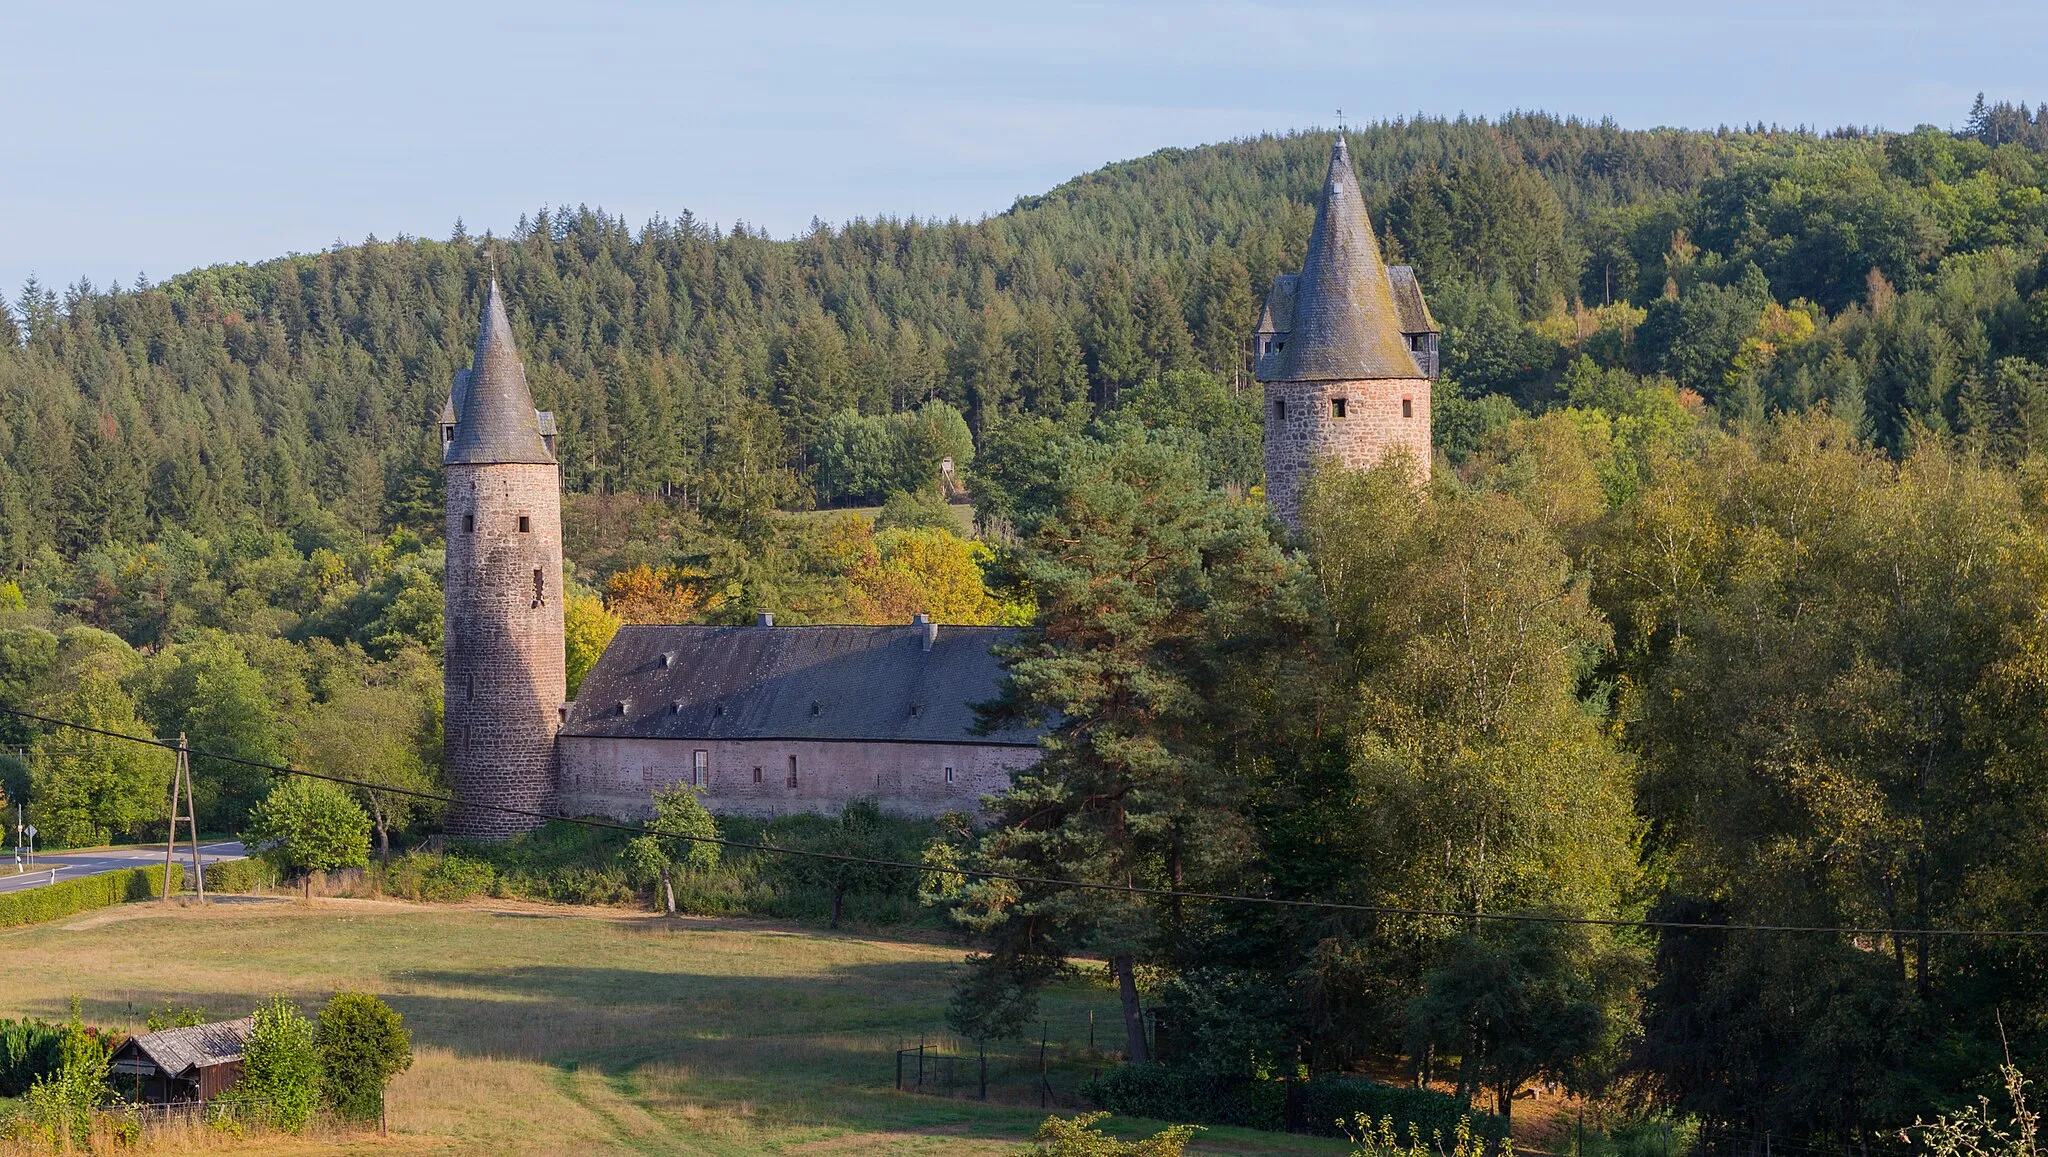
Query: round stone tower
point(503, 675)
point(1346, 350)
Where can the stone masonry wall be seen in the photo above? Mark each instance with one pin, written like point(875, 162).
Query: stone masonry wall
point(1310, 432)
point(618, 777)
point(504, 675)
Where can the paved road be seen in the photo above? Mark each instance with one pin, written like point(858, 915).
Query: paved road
point(71, 865)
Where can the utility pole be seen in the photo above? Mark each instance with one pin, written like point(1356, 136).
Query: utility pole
point(181, 780)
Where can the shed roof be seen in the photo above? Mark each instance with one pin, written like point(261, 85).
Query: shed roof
point(176, 1051)
point(1343, 322)
point(1408, 301)
point(876, 684)
point(490, 406)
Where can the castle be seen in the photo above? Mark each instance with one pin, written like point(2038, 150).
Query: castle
point(1346, 350)
point(768, 720)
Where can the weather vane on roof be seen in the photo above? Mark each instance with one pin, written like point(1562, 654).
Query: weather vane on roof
point(1340, 120)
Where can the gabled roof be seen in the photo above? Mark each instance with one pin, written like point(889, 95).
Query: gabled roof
point(491, 408)
point(1408, 302)
point(1344, 324)
point(876, 684)
point(177, 1051)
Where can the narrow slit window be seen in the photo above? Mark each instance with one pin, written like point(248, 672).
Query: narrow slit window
point(1337, 407)
point(1407, 407)
point(525, 524)
point(540, 587)
point(1280, 409)
point(469, 688)
point(700, 768)
point(949, 775)
point(757, 775)
point(792, 771)
point(469, 524)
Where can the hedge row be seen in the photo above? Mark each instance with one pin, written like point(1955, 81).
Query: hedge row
point(1319, 1104)
point(244, 875)
point(85, 893)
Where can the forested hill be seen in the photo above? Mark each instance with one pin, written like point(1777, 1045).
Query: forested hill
point(703, 363)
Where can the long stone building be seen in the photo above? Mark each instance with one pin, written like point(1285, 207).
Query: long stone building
point(1346, 350)
point(768, 720)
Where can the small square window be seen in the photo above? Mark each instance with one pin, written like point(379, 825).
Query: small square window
point(1407, 407)
point(1337, 407)
point(525, 524)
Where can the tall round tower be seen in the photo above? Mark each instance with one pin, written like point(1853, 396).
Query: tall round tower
point(503, 675)
point(1346, 350)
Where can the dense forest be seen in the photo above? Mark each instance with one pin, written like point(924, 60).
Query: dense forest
point(1728, 608)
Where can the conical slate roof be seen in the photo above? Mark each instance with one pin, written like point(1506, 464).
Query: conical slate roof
point(1345, 323)
point(494, 416)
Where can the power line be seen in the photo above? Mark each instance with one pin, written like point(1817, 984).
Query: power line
point(1045, 881)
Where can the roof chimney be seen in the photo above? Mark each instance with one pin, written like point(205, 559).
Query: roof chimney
point(928, 629)
point(765, 619)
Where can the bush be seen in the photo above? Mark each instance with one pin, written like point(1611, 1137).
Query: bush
point(363, 1044)
point(921, 509)
point(59, 1106)
point(445, 878)
point(85, 893)
point(281, 1068)
point(29, 1051)
point(1078, 1137)
point(1322, 1104)
point(309, 825)
point(241, 875)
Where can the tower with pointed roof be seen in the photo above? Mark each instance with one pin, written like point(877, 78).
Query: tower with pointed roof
point(504, 679)
point(1346, 351)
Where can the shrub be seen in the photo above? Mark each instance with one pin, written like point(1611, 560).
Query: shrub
point(85, 893)
point(921, 509)
point(1079, 1137)
point(28, 1051)
point(363, 1044)
point(443, 878)
point(309, 825)
point(281, 1068)
point(59, 1106)
point(244, 875)
point(1323, 1105)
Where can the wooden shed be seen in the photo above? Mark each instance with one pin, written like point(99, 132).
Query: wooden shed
point(182, 1064)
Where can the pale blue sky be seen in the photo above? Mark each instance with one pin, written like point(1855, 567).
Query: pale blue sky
point(158, 137)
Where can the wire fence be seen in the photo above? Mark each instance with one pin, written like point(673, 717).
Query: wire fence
point(1046, 1069)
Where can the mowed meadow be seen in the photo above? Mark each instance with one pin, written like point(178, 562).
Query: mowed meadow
point(542, 1030)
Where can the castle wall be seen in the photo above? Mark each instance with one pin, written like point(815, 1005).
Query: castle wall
point(1310, 431)
point(504, 675)
point(618, 777)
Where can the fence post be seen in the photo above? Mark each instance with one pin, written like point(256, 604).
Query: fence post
point(1091, 1032)
point(984, 1070)
point(899, 1069)
point(1044, 1085)
point(920, 1064)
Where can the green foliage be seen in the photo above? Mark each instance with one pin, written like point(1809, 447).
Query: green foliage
point(281, 1077)
point(1380, 1138)
point(34, 905)
point(922, 509)
point(59, 1107)
point(680, 814)
point(309, 825)
point(85, 788)
point(858, 833)
point(441, 878)
point(244, 875)
point(1325, 1104)
point(362, 1044)
point(170, 1015)
point(1082, 1137)
point(29, 1051)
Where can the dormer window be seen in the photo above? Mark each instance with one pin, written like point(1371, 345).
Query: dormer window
point(447, 434)
point(917, 710)
point(668, 659)
point(817, 708)
point(619, 708)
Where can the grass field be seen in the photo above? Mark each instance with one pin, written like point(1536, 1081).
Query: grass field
point(554, 1030)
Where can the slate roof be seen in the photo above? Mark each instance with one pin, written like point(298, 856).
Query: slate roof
point(490, 407)
point(852, 683)
point(1408, 302)
point(1341, 321)
point(175, 1051)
